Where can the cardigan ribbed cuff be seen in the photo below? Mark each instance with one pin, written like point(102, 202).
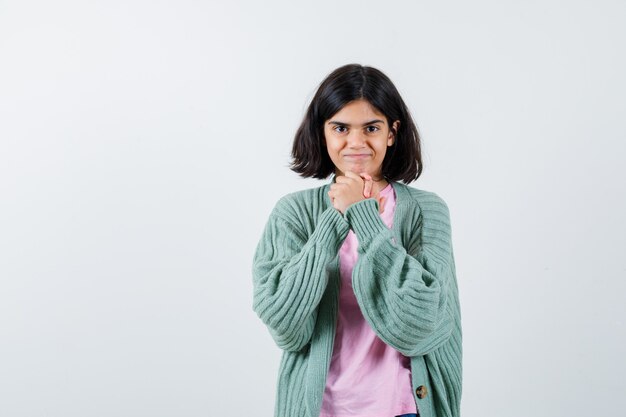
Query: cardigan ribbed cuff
point(365, 220)
point(332, 229)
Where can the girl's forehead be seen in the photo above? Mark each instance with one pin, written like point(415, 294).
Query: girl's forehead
point(358, 109)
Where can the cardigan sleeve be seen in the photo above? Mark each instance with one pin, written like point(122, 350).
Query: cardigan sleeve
point(405, 297)
point(291, 272)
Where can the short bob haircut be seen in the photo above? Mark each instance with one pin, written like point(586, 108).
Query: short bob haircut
point(403, 159)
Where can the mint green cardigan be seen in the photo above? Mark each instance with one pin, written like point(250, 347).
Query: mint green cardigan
point(404, 281)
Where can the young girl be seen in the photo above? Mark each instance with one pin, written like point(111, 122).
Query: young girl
point(355, 279)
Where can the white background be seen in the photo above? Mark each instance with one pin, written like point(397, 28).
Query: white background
point(144, 143)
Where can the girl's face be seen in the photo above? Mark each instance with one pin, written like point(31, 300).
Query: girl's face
point(357, 137)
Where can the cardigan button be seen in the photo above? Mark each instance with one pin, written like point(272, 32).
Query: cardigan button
point(421, 392)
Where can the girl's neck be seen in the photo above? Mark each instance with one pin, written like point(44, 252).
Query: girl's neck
point(379, 186)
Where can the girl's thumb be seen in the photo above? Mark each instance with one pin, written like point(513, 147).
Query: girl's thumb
point(381, 204)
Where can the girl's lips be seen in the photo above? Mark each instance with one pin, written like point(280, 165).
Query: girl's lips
point(357, 156)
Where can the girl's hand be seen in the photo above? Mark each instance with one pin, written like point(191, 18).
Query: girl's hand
point(350, 189)
point(346, 190)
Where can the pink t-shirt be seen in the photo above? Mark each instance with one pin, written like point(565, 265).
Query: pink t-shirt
point(367, 377)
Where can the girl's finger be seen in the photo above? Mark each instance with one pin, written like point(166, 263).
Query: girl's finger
point(381, 204)
point(367, 189)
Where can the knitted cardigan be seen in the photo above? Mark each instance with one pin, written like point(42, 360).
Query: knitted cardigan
point(404, 281)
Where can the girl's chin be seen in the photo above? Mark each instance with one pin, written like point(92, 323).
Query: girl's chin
point(356, 168)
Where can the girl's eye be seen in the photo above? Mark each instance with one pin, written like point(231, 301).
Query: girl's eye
point(372, 129)
point(340, 129)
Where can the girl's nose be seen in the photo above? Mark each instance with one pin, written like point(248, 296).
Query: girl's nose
point(356, 139)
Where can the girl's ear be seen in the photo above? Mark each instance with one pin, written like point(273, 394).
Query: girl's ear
point(393, 132)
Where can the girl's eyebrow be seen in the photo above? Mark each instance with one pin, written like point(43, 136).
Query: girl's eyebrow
point(333, 122)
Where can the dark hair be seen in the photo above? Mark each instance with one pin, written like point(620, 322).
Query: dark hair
point(403, 159)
